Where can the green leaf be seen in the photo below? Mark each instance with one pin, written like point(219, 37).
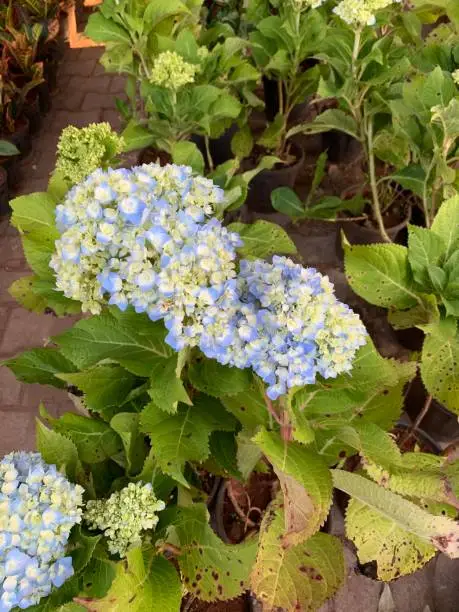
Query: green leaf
point(136, 136)
point(58, 450)
point(223, 455)
point(159, 10)
point(141, 584)
point(271, 137)
point(287, 202)
point(166, 389)
point(421, 314)
point(104, 386)
point(126, 425)
point(98, 577)
point(380, 274)
point(438, 89)
point(425, 248)
point(306, 483)
point(105, 30)
point(446, 225)
point(8, 148)
point(95, 440)
point(331, 119)
point(440, 363)
point(263, 239)
point(242, 142)
point(439, 531)
point(211, 569)
point(248, 453)
point(184, 436)
point(40, 366)
point(22, 291)
point(209, 376)
point(39, 295)
point(249, 406)
point(301, 577)
point(131, 340)
point(412, 178)
point(83, 547)
point(34, 212)
point(38, 247)
point(392, 148)
point(57, 186)
point(396, 551)
point(186, 153)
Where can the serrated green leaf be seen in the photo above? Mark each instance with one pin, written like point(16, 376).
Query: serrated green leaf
point(380, 274)
point(242, 142)
point(301, 577)
point(82, 548)
point(223, 454)
point(57, 186)
point(439, 531)
point(422, 314)
point(126, 425)
point(34, 212)
point(411, 177)
point(212, 570)
point(39, 246)
point(331, 119)
point(184, 436)
point(95, 440)
point(377, 538)
point(446, 225)
point(392, 148)
point(39, 295)
point(440, 363)
point(104, 386)
point(425, 248)
point(141, 584)
point(249, 406)
point(104, 30)
point(263, 239)
point(186, 153)
point(136, 136)
point(57, 449)
point(285, 201)
point(306, 483)
point(98, 577)
point(23, 293)
point(166, 389)
point(134, 342)
point(40, 366)
point(248, 453)
point(209, 376)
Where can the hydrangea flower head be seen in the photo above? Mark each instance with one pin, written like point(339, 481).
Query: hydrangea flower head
point(285, 322)
point(38, 508)
point(122, 232)
point(361, 12)
point(124, 515)
point(171, 71)
point(80, 151)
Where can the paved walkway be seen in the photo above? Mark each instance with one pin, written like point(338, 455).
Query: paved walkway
point(85, 95)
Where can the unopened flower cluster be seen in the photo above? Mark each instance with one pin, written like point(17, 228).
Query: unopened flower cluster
point(361, 12)
point(38, 508)
point(144, 237)
point(171, 71)
point(284, 322)
point(81, 151)
point(124, 515)
point(301, 5)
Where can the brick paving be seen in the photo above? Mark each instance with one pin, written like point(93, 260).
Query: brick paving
point(85, 94)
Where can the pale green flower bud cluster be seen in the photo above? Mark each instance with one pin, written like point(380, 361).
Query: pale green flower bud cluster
point(302, 5)
point(171, 71)
point(124, 516)
point(455, 76)
point(361, 12)
point(80, 151)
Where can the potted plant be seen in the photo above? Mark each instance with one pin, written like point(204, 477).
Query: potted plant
point(7, 149)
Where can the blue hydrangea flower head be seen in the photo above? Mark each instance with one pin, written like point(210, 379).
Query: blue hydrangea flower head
point(38, 508)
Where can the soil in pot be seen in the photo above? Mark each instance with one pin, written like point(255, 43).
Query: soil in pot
point(220, 148)
point(4, 193)
point(264, 183)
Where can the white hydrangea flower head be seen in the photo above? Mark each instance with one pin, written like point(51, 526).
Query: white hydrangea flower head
point(455, 76)
point(124, 516)
point(361, 12)
point(38, 508)
point(171, 71)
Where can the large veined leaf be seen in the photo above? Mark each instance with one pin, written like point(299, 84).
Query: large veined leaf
point(140, 584)
point(58, 450)
point(425, 248)
point(98, 577)
point(126, 425)
point(306, 483)
point(40, 366)
point(377, 538)
point(446, 225)
point(248, 406)
point(331, 119)
point(300, 577)
point(38, 295)
point(439, 531)
point(211, 569)
point(380, 274)
point(263, 239)
point(167, 389)
point(424, 313)
point(184, 436)
point(218, 380)
point(104, 386)
point(134, 342)
point(34, 212)
point(105, 30)
point(440, 363)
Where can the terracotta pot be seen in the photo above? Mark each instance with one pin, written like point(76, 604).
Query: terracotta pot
point(264, 183)
point(4, 193)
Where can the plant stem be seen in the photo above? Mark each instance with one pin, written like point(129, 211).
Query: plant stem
point(210, 161)
point(355, 51)
point(272, 412)
point(374, 185)
point(280, 90)
point(418, 421)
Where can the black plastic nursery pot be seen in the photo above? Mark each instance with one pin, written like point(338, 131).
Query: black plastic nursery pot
point(4, 193)
point(33, 113)
point(21, 137)
point(220, 148)
point(266, 181)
